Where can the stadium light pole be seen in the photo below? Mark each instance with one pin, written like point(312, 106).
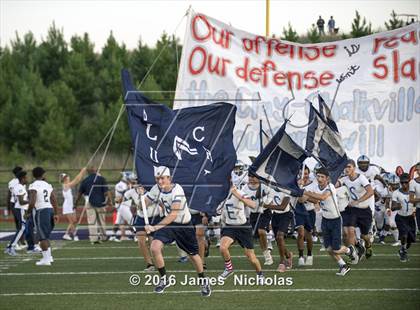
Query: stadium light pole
point(267, 18)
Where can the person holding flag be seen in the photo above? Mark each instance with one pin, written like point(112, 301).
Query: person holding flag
point(325, 194)
point(175, 226)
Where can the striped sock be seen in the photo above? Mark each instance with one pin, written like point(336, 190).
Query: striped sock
point(228, 265)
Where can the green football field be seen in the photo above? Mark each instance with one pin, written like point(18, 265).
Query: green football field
point(97, 277)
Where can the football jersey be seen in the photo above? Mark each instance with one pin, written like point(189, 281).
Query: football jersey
point(132, 196)
point(43, 194)
point(276, 198)
point(357, 188)
point(166, 199)
point(415, 189)
point(402, 198)
point(12, 183)
point(309, 187)
point(328, 206)
point(20, 190)
point(370, 174)
point(383, 192)
point(343, 197)
point(120, 188)
point(252, 194)
point(233, 210)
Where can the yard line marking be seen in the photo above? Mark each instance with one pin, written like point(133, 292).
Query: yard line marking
point(99, 247)
point(191, 271)
point(176, 257)
point(215, 291)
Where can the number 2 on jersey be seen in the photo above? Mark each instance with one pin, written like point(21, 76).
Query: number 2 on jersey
point(46, 198)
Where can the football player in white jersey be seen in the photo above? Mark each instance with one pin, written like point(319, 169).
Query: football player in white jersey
point(415, 194)
point(235, 227)
point(42, 198)
point(260, 217)
point(68, 204)
point(405, 216)
point(390, 225)
point(239, 174)
point(371, 172)
point(153, 214)
point(175, 226)
point(381, 192)
point(305, 217)
point(325, 193)
point(11, 199)
point(21, 206)
point(280, 222)
point(120, 188)
point(358, 213)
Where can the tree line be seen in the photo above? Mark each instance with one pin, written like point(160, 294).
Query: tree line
point(59, 97)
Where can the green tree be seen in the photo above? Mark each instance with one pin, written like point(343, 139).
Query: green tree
point(113, 58)
point(313, 34)
point(290, 34)
point(394, 22)
point(53, 54)
point(54, 140)
point(359, 27)
point(82, 80)
point(165, 69)
point(141, 60)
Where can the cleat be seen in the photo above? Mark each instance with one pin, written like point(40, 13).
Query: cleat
point(75, 238)
point(343, 270)
point(205, 266)
point(218, 244)
point(260, 279)
point(226, 273)
point(360, 250)
point(301, 261)
point(67, 237)
point(20, 247)
point(322, 249)
point(43, 262)
point(268, 258)
point(396, 243)
point(354, 257)
point(183, 259)
point(150, 268)
point(314, 239)
point(309, 260)
point(205, 288)
point(34, 251)
point(403, 256)
point(11, 251)
point(51, 259)
point(160, 288)
point(281, 268)
point(112, 238)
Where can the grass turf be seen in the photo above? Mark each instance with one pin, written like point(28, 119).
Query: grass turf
point(97, 277)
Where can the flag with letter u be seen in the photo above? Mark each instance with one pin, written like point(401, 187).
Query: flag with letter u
point(195, 143)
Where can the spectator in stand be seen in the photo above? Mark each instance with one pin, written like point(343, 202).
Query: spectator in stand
point(331, 26)
point(320, 23)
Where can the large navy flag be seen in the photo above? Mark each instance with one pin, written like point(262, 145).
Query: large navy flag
point(325, 113)
point(324, 142)
point(280, 162)
point(195, 143)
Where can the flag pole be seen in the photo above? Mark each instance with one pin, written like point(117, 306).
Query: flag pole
point(267, 18)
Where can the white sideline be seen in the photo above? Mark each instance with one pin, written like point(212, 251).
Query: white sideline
point(216, 291)
point(191, 271)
